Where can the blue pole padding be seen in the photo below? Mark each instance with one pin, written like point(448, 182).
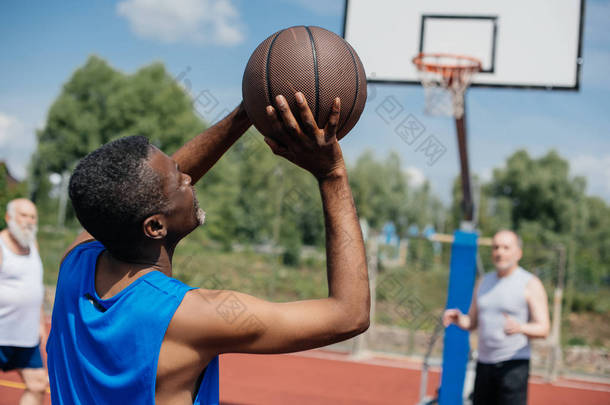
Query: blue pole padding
point(456, 346)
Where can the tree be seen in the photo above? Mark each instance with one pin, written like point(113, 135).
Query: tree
point(538, 198)
point(540, 190)
point(381, 190)
point(10, 189)
point(99, 104)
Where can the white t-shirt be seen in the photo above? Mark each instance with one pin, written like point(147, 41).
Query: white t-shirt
point(21, 294)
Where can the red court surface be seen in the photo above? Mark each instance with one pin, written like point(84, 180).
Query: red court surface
point(324, 378)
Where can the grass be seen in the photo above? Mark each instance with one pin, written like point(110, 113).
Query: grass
point(53, 242)
point(199, 263)
point(411, 296)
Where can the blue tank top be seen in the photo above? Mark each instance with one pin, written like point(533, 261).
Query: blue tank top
point(106, 351)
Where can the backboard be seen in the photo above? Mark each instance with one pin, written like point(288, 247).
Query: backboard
point(521, 43)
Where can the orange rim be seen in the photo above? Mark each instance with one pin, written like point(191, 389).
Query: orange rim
point(472, 65)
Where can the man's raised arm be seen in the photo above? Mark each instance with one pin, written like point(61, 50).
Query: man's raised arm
point(215, 322)
point(199, 154)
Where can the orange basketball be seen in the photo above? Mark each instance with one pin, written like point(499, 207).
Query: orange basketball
point(312, 60)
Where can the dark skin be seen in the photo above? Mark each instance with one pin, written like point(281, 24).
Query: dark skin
point(198, 332)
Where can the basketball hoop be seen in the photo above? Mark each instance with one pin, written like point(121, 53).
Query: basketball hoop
point(445, 78)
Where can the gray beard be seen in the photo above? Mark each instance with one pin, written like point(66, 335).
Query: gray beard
point(25, 237)
point(200, 216)
point(199, 213)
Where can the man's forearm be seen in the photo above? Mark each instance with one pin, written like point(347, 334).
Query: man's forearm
point(199, 154)
point(346, 258)
point(534, 330)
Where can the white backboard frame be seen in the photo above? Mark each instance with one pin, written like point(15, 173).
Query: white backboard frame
point(522, 44)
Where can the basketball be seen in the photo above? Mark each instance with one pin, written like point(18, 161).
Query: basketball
point(312, 60)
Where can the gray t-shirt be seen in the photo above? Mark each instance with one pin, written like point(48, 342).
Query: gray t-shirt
point(498, 296)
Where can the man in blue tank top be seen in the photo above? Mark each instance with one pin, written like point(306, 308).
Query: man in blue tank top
point(509, 307)
point(125, 332)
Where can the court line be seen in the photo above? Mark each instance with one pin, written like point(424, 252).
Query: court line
point(571, 384)
point(18, 385)
point(12, 384)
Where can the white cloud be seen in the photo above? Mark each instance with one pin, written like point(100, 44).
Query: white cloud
point(485, 175)
point(17, 141)
point(597, 172)
point(194, 21)
point(416, 176)
point(9, 126)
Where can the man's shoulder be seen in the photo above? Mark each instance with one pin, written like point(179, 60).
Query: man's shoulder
point(527, 275)
point(169, 285)
point(531, 280)
point(84, 254)
point(82, 238)
point(85, 246)
point(197, 305)
point(487, 277)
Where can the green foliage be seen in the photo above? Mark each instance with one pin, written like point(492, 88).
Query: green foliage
point(548, 207)
point(577, 341)
point(382, 193)
point(8, 192)
point(292, 252)
point(255, 198)
point(99, 104)
point(380, 190)
point(583, 303)
point(540, 190)
point(250, 196)
point(53, 243)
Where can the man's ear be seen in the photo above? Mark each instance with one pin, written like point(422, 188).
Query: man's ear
point(154, 227)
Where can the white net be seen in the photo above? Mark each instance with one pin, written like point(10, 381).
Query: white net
point(445, 79)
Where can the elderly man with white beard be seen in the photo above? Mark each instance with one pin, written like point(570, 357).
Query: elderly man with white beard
point(22, 326)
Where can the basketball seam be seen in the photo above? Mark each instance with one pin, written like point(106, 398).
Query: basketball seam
point(357, 88)
point(315, 69)
point(267, 77)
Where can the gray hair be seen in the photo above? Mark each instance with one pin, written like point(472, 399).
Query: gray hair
point(10, 208)
point(519, 240)
point(12, 205)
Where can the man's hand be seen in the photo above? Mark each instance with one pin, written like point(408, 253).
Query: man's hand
point(451, 316)
point(455, 316)
point(511, 326)
point(315, 150)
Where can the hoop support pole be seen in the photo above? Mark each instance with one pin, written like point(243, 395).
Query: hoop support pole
point(467, 205)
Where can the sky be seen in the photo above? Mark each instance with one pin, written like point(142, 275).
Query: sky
point(207, 43)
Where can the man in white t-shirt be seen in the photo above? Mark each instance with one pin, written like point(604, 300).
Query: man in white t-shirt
point(22, 326)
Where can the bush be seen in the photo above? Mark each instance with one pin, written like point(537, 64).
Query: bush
point(292, 252)
point(577, 341)
point(583, 303)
